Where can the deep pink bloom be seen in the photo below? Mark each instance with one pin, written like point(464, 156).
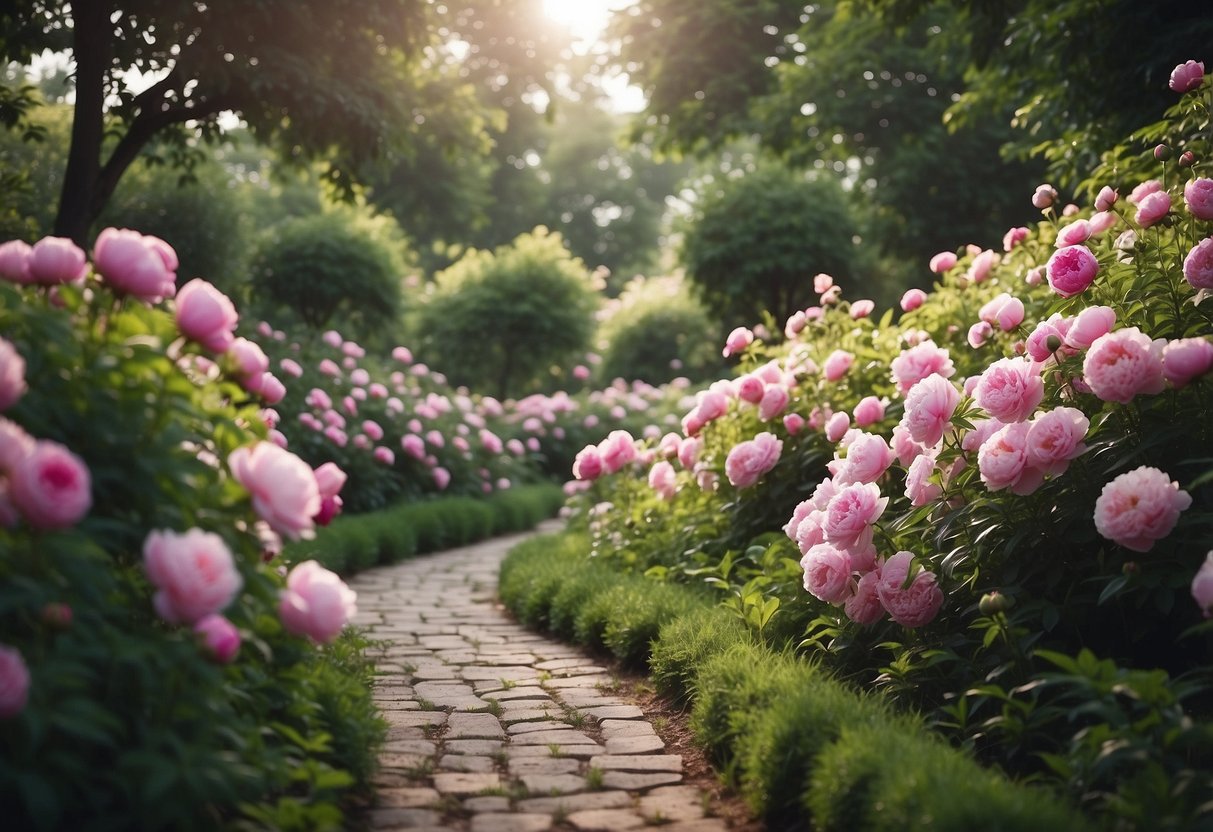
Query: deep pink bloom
point(56, 260)
point(918, 362)
point(1202, 586)
point(1187, 76)
point(206, 315)
point(748, 461)
point(793, 423)
point(1139, 508)
point(911, 606)
point(850, 514)
point(837, 364)
point(14, 682)
point(1010, 389)
point(12, 375)
point(1186, 359)
point(50, 486)
point(283, 487)
point(1152, 208)
point(218, 638)
point(864, 606)
point(1089, 326)
point(316, 603)
point(1048, 337)
point(135, 264)
point(1071, 270)
point(1198, 194)
point(827, 573)
point(869, 411)
point(750, 388)
point(14, 262)
point(194, 574)
point(1198, 265)
point(737, 342)
point(617, 450)
point(912, 299)
point(928, 409)
point(943, 261)
point(1055, 437)
point(1124, 364)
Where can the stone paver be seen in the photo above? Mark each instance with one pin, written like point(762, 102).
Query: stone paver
point(493, 728)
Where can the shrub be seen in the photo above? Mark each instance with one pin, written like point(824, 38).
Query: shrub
point(686, 643)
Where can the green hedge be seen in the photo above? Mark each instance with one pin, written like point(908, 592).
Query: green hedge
point(355, 542)
point(806, 751)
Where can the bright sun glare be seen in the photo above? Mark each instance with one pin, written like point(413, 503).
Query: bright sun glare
point(584, 18)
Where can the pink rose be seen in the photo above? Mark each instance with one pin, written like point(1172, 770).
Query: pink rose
point(1003, 461)
point(194, 574)
point(822, 283)
point(284, 489)
point(1089, 326)
point(1124, 364)
point(1152, 208)
point(135, 264)
point(912, 299)
point(50, 486)
point(827, 573)
point(928, 409)
point(1202, 588)
point(1139, 507)
point(918, 362)
point(1186, 359)
point(1055, 437)
point(868, 457)
point(919, 488)
point(1198, 265)
point(864, 606)
point(911, 606)
point(14, 262)
point(837, 364)
point(1044, 196)
point(942, 262)
point(737, 342)
point(1198, 194)
point(1010, 389)
point(750, 388)
point(793, 423)
point(748, 461)
point(14, 682)
point(1143, 190)
point(588, 464)
point(1071, 270)
point(978, 333)
point(442, 477)
point(617, 450)
point(316, 603)
point(1106, 198)
point(837, 426)
point(1014, 237)
point(206, 315)
point(979, 270)
point(12, 375)
point(869, 411)
point(218, 638)
point(862, 308)
point(850, 514)
point(1187, 76)
point(56, 260)
point(774, 400)
point(663, 480)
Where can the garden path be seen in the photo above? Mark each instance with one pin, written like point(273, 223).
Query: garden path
point(494, 728)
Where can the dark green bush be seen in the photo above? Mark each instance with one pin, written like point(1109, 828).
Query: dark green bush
point(686, 643)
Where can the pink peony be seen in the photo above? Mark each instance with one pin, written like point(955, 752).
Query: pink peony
point(837, 364)
point(588, 464)
point(50, 486)
point(869, 411)
point(980, 268)
point(1198, 265)
point(748, 461)
point(1152, 208)
point(1044, 196)
point(442, 477)
point(1139, 507)
point(248, 359)
point(384, 455)
point(913, 605)
point(1014, 237)
point(1002, 461)
point(284, 489)
point(1106, 198)
point(864, 606)
point(1048, 337)
point(206, 315)
point(1071, 270)
point(862, 308)
point(868, 457)
point(1073, 234)
point(56, 260)
point(688, 452)
point(904, 446)
point(1055, 437)
point(919, 488)
point(822, 283)
point(737, 342)
point(850, 514)
point(15, 445)
point(218, 638)
point(912, 299)
point(837, 426)
point(1124, 364)
point(316, 603)
point(712, 405)
point(774, 400)
point(1089, 326)
point(1102, 221)
point(750, 388)
point(12, 375)
point(827, 573)
point(194, 574)
point(1033, 277)
point(14, 262)
point(135, 264)
point(14, 682)
point(663, 480)
point(1010, 389)
point(918, 362)
point(1186, 359)
point(403, 355)
point(942, 262)
point(1187, 76)
point(1198, 194)
point(1143, 190)
point(928, 409)
point(1202, 587)
point(809, 532)
point(978, 333)
point(1005, 312)
point(793, 423)
point(617, 450)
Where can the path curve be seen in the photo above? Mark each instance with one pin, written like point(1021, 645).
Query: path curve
point(494, 728)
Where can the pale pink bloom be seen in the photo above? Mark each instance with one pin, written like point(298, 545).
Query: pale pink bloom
point(283, 487)
point(850, 514)
point(688, 452)
point(1124, 364)
point(918, 362)
point(793, 423)
point(748, 461)
point(864, 606)
point(862, 308)
point(384, 455)
point(809, 532)
point(869, 411)
point(291, 367)
point(1202, 588)
point(328, 367)
point(247, 358)
point(928, 409)
point(774, 400)
point(378, 391)
point(14, 682)
point(360, 377)
point(206, 315)
point(1009, 314)
point(663, 480)
point(919, 488)
point(827, 573)
point(904, 446)
point(50, 486)
point(1073, 234)
point(912, 299)
point(707, 480)
point(514, 446)
point(1198, 265)
point(14, 262)
point(819, 416)
point(667, 448)
point(1010, 389)
point(795, 324)
point(824, 492)
point(403, 355)
point(1186, 359)
point(12, 375)
point(336, 435)
point(1034, 276)
point(1102, 221)
point(1152, 208)
point(712, 405)
point(1090, 325)
point(15, 445)
point(136, 264)
point(803, 509)
point(617, 450)
point(830, 296)
point(318, 399)
point(268, 386)
point(1014, 237)
point(1055, 437)
point(588, 464)
point(194, 574)
point(822, 283)
point(982, 430)
point(435, 438)
point(911, 606)
point(750, 388)
point(1048, 337)
point(737, 342)
point(1044, 196)
point(1071, 270)
point(837, 364)
point(837, 426)
point(813, 313)
point(442, 477)
point(943, 261)
point(316, 603)
point(353, 349)
point(490, 441)
point(218, 638)
point(1139, 508)
point(56, 260)
point(1106, 199)
point(980, 268)
point(868, 457)
point(1187, 76)
point(1143, 190)
point(1198, 194)
point(978, 333)
point(1002, 461)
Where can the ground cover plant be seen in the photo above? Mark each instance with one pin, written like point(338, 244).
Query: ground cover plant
point(993, 508)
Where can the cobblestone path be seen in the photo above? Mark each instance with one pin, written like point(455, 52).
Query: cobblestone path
point(498, 729)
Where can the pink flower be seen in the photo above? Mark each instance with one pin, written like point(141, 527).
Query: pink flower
point(1198, 194)
point(1187, 76)
point(193, 572)
point(1044, 196)
point(850, 514)
point(372, 429)
point(14, 262)
point(1202, 589)
point(1124, 364)
point(50, 486)
point(864, 606)
point(1186, 359)
point(837, 364)
point(442, 477)
point(1048, 337)
point(1004, 311)
point(911, 606)
point(748, 461)
point(869, 411)
point(1009, 389)
point(617, 450)
point(1143, 190)
point(1089, 326)
point(750, 388)
point(712, 405)
point(328, 367)
point(912, 299)
point(827, 573)
point(795, 324)
point(1198, 265)
point(248, 359)
point(978, 333)
point(1152, 208)
point(904, 446)
point(218, 638)
point(688, 452)
point(822, 283)
point(1071, 270)
point(1101, 222)
point(206, 315)
point(1054, 438)
point(868, 457)
point(56, 260)
point(136, 264)
point(14, 682)
point(943, 261)
point(928, 409)
point(12, 375)
point(1139, 507)
point(793, 423)
point(663, 480)
point(588, 464)
point(316, 603)
point(267, 385)
point(1033, 277)
point(329, 481)
point(1106, 199)
point(980, 268)
point(1003, 461)
point(774, 400)
point(918, 362)
point(384, 455)
point(837, 426)
point(1076, 232)
point(403, 355)
point(284, 489)
point(862, 308)
point(291, 367)
point(1014, 237)
point(737, 342)
point(919, 488)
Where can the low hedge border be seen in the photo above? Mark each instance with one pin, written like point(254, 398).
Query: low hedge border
point(804, 750)
point(355, 542)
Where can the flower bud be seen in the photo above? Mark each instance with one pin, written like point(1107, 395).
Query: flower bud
point(1053, 343)
point(1130, 567)
point(1186, 159)
point(994, 602)
point(1163, 153)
